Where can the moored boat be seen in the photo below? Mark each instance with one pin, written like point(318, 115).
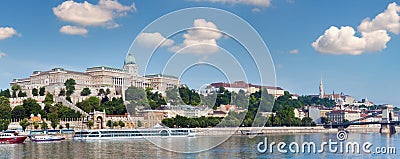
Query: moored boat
point(131, 133)
point(11, 138)
point(46, 138)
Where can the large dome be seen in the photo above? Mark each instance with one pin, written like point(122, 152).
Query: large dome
point(129, 59)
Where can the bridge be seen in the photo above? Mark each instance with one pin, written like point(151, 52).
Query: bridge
point(387, 123)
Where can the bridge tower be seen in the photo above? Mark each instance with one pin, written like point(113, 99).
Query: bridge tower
point(387, 126)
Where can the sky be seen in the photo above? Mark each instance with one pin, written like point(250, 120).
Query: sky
point(352, 45)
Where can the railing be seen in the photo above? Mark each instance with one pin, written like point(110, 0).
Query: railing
point(70, 105)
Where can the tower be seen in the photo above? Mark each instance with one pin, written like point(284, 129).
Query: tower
point(130, 65)
point(321, 90)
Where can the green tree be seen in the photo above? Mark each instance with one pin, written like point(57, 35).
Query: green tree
point(155, 99)
point(54, 124)
point(115, 106)
point(6, 93)
point(44, 126)
point(306, 121)
point(70, 86)
point(188, 96)
point(62, 92)
point(53, 117)
point(223, 97)
point(24, 123)
point(60, 127)
point(4, 124)
point(135, 94)
point(35, 92)
point(90, 104)
point(121, 124)
point(65, 112)
point(49, 98)
point(240, 99)
point(22, 94)
point(68, 98)
point(18, 112)
point(14, 94)
point(85, 92)
point(108, 91)
point(15, 88)
point(42, 91)
point(101, 92)
point(109, 123)
point(139, 123)
point(67, 125)
point(136, 97)
point(32, 107)
point(209, 100)
point(36, 125)
point(115, 123)
point(172, 96)
point(90, 124)
point(5, 114)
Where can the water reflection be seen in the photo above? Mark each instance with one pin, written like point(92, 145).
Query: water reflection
point(234, 147)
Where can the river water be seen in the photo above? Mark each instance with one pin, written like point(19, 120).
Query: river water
point(234, 147)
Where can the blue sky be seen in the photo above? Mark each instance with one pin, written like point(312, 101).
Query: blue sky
point(362, 65)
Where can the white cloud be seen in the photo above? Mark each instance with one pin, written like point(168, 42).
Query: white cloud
point(258, 3)
point(374, 36)
point(151, 40)
point(115, 5)
point(202, 39)
point(7, 32)
point(73, 30)
point(87, 14)
point(387, 20)
point(294, 51)
point(343, 41)
point(2, 54)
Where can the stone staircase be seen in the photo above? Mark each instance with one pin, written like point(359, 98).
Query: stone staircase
point(70, 105)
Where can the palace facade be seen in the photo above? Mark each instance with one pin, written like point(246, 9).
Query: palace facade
point(117, 80)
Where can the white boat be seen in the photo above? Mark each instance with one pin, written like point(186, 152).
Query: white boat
point(131, 133)
point(46, 138)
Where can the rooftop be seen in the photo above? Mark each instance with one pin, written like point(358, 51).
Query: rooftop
point(160, 75)
point(104, 68)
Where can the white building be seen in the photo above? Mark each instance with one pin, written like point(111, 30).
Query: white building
point(241, 85)
point(117, 80)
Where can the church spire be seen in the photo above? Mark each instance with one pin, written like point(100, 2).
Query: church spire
point(321, 90)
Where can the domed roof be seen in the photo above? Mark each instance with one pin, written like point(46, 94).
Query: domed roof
point(129, 59)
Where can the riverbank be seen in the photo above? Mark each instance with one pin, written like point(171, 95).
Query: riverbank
point(260, 130)
point(280, 130)
point(270, 130)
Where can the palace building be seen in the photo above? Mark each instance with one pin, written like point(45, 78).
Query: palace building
point(117, 80)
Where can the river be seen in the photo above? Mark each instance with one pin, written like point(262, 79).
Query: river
point(234, 147)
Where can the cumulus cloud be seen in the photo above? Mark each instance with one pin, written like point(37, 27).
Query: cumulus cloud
point(258, 3)
point(344, 41)
point(374, 35)
point(87, 14)
point(388, 20)
point(294, 51)
point(2, 54)
point(7, 32)
point(151, 40)
point(73, 30)
point(202, 39)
